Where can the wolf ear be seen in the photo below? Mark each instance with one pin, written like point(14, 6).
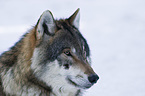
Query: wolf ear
point(45, 25)
point(75, 18)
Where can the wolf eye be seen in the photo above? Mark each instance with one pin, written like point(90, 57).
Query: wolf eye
point(67, 52)
point(66, 66)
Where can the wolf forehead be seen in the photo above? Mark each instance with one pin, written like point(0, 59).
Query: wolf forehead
point(66, 36)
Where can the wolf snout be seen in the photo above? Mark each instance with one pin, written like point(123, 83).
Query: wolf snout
point(93, 78)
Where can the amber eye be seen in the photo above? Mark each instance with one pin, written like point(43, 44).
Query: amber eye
point(67, 52)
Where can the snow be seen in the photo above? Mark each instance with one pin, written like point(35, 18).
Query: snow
point(114, 29)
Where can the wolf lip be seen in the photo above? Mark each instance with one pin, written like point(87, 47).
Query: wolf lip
point(73, 83)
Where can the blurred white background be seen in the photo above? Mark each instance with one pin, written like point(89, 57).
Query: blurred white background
point(114, 29)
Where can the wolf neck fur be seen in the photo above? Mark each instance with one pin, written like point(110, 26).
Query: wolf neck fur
point(18, 82)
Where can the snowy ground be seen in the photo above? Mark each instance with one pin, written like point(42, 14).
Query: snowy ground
point(115, 30)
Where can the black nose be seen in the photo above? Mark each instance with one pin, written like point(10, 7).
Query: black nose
point(93, 78)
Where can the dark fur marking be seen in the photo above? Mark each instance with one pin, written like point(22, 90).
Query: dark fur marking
point(39, 83)
point(66, 27)
point(78, 93)
point(46, 29)
point(63, 61)
point(1, 89)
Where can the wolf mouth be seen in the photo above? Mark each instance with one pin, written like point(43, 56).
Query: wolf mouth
point(75, 84)
point(72, 82)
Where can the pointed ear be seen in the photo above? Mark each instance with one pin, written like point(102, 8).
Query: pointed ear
point(75, 18)
point(45, 25)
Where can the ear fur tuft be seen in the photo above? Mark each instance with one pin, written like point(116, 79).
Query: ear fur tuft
point(46, 24)
point(75, 18)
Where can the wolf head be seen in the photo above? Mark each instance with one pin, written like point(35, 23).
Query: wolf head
point(61, 57)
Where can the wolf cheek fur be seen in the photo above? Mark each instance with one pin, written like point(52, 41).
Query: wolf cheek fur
point(50, 60)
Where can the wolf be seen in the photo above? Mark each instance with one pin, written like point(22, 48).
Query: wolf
point(51, 59)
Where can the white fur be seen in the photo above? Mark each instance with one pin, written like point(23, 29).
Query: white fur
point(7, 81)
point(89, 60)
point(73, 50)
point(54, 79)
point(57, 80)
